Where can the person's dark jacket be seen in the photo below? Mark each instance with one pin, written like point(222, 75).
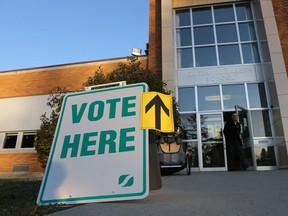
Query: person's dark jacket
point(232, 132)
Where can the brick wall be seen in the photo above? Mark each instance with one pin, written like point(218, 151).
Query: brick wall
point(155, 46)
point(281, 15)
point(8, 160)
point(41, 81)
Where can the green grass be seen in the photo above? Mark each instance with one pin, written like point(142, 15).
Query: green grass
point(18, 198)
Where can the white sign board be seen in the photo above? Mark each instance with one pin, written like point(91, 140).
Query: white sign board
point(99, 152)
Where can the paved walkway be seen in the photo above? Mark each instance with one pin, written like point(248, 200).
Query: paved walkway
point(243, 193)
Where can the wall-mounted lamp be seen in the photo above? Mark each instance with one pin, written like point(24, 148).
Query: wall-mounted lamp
point(136, 52)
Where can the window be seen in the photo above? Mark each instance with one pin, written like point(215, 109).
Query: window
point(216, 35)
point(25, 139)
point(186, 98)
point(209, 98)
point(28, 140)
point(257, 96)
point(189, 124)
point(10, 140)
point(205, 56)
point(265, 156)
point(233, 95)
point(261, 123)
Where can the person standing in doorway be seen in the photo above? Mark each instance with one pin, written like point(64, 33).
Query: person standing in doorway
point(235, 155)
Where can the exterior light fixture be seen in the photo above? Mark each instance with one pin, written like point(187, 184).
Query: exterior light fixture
point(136, 51)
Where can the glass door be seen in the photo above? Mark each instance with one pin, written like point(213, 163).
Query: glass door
point(212, 154)
point(245, 133)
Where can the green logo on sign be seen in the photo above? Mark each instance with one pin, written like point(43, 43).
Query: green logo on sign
point(126, 180)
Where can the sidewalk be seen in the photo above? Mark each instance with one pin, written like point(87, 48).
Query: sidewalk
point(243, 193)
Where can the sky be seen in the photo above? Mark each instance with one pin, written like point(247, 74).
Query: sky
point(39, 33)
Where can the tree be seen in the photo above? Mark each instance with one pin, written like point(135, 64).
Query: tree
point(132, 72)
point(45, 135)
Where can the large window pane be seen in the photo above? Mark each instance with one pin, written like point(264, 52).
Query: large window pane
point(257, 95)
point(229, 55)
point(250, 53)
point(209, 98)
point(226, 33)
point(233, 95)
point(205, 56)
point(184, 37)
point(10, 141)
point(186, 98)
point(204, 35)
point(247, 31)
point(202, 16)
point(183, 18)
point(261, 123)
point(243, 12)
point(224, 13)
point(185, 58)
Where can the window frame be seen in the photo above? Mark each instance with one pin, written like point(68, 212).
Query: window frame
point(19, 140)
point(253, 58)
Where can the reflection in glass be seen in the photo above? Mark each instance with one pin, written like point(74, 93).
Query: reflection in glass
point(224, 13)
point(243, 12)
point(205, 56)
point(184, 37)
point(265, 156)
point(261, 123)
point(202, 16)
point(184, 58)
point(213, 155)
point(257, 95)
point(186, 99)
point(226, 33)
point(229, 55)
point(233, 95)
point(203, 35)
point(193, 147)
point(211, 128)
point(250, 53)
point(212, 140)
point(209, 98)
point(189, 125)
point(183, 18)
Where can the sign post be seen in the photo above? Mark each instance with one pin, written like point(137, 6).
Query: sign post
point(99, 153)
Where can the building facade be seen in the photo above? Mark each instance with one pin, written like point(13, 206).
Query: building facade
point(218, 57)
point(23, 99)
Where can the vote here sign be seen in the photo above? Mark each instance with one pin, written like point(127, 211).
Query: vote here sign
point(99, 152)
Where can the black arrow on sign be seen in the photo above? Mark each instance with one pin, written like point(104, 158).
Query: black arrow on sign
point(158, 103)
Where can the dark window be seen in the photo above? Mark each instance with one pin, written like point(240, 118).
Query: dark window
point(224, 13)
point(183, 18)
point(202, 16)
point(28, 140)
point(10, 141)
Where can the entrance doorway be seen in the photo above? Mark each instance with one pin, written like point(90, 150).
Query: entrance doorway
point(245, 132)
